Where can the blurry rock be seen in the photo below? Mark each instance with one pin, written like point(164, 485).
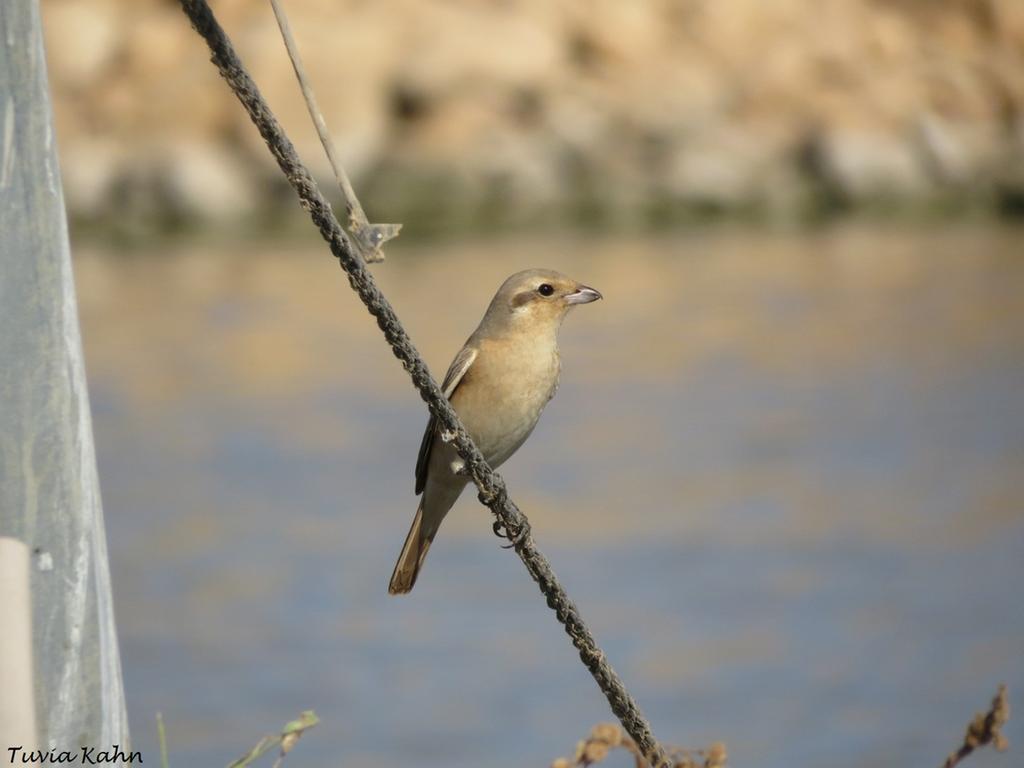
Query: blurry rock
point(606, 33)
point(1009, 178)
point(89, 172)
point(204, 181)
point(946, 154)
point(860, 167)
point(1007, 18)
point(528, 103)
point(965, 152)
point(447, 47)
point(83, 39)
point(724, 168)
point(153, 47)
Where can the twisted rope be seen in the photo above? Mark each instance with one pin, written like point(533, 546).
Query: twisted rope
point(510, 522)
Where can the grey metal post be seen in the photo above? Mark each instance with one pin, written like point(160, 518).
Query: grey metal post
point(49, 491)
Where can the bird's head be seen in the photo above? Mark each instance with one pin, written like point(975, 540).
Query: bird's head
point(537, 299)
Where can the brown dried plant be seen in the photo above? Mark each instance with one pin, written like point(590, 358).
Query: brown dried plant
point(605, 737)
point(985, 728)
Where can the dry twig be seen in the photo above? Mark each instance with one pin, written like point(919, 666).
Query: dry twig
point(161, 735)
point(286, 739)
point(368, 237)
point(985, 728)
point(604, 737)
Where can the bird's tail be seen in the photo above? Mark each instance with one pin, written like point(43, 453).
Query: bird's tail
point(413, 554)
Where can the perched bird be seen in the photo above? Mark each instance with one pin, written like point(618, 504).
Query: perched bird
point(498, 384)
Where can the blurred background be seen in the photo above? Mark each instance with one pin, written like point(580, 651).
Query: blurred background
point(784, 475)
point(485, 112)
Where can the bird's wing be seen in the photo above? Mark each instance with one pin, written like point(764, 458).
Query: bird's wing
point(455, 373)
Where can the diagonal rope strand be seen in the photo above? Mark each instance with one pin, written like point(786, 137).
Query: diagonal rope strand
point(510, 521)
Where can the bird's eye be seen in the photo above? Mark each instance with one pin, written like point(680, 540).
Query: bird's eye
point(545, 289)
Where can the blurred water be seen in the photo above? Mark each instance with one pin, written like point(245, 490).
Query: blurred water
point(782, 478)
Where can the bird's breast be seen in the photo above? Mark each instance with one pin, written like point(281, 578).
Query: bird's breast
point(504, 392)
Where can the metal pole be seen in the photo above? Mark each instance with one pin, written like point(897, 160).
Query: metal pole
point(49, 491)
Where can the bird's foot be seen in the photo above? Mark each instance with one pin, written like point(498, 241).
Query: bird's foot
point(515, 535)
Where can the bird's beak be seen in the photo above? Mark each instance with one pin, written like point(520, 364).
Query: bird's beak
point(583, 294)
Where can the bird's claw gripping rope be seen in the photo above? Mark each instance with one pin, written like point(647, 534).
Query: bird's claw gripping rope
point(516, 532)
point(516, 535)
